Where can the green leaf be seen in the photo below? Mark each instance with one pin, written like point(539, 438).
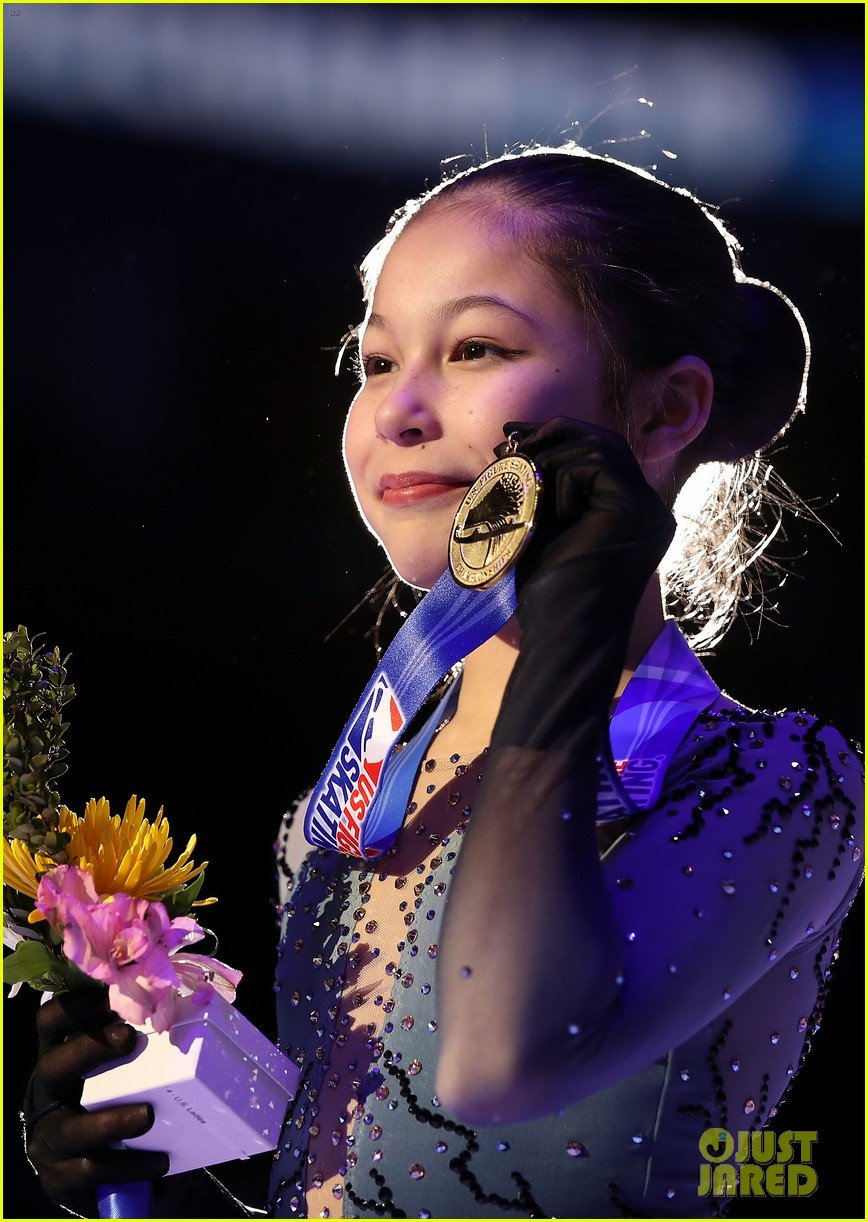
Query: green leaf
point(29, 960)
point(180, 902)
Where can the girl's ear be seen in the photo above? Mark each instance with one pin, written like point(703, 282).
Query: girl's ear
point(670, 407)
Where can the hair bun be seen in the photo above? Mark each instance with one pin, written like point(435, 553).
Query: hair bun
point(769, 375)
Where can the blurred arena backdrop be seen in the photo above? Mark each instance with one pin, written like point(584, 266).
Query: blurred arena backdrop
point(188, 190)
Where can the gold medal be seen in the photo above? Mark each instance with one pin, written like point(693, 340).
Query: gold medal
point(494, 522)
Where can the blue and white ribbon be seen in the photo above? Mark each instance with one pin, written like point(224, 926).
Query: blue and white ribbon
point(359, 803)
point(666, 694)
point(355, 807)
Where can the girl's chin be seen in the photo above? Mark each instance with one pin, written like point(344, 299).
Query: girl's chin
point(420, 576)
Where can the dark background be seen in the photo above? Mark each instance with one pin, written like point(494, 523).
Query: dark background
point(177, 515)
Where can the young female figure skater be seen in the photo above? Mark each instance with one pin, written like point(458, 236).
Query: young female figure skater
point(604, 917)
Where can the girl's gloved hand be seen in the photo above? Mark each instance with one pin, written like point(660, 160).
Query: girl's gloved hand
point(68, 1146)
point(595, 501)
point(601, 533)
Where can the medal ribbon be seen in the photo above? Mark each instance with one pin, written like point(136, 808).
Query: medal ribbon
point(666, 694)
point(355, 806)
point(359, 803)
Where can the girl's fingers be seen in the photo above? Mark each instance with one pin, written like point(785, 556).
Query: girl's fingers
point(122, 1166)
point(71, 1012)
point(75, 1180)
point(61, 1068)
point(70, 1133)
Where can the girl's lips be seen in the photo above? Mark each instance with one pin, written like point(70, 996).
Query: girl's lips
point(414, 493)
point(410, 487)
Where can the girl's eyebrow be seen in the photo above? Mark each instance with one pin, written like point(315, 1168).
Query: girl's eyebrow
point(460, 305)
point(476, 301)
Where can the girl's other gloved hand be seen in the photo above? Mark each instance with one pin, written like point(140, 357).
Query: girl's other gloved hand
point(68, 1146)
point(595, 501)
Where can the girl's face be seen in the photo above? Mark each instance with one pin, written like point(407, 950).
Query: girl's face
point(464, 333)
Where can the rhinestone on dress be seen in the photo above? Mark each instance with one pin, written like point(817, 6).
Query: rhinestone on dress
point(575, 1149)
point(417, 1172)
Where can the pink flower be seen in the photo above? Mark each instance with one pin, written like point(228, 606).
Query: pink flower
point(133, 947)
point(200, 978)
point(60, 889)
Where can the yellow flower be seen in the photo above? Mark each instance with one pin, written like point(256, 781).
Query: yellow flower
point(124, 853)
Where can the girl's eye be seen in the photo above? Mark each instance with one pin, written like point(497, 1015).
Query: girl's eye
point(480, 350)
point(374, 365)
point(476, 350)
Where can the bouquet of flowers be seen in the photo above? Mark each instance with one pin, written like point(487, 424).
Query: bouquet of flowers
point(91, 897)
point(94, 898)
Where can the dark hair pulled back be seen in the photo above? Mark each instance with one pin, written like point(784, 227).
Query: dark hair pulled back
point(658, 276)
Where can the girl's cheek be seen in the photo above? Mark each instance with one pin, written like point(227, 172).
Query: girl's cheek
point(352, 456)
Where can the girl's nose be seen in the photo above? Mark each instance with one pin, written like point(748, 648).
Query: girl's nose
point(405, 415)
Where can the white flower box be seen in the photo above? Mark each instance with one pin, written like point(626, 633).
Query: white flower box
point(218, 1087)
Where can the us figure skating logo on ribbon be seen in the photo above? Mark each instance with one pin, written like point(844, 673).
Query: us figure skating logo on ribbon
point(343, 798)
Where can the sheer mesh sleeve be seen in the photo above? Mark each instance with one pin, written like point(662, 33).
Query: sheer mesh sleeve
point(753, 853)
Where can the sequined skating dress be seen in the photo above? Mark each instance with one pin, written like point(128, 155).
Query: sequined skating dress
point(730, 893)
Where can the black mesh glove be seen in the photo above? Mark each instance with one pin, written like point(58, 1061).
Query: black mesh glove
point(68, 1146)
point(601, 533)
